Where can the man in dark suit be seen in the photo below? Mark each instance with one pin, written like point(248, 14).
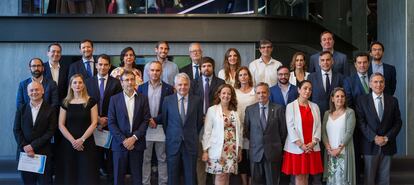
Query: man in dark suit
point(102, 87)
point(379, 120)
point(128, 118)
point(387, 70)
point(205, 87)
point(155, 89)
point(193, 69)
point(283, 92)
point(266, 130)
point(50, 95)
point(324, 81)
point(85, 66)
point(182, 117)
point(358, 84)
point(340, 64)
point(56, 71)
point(35, 123)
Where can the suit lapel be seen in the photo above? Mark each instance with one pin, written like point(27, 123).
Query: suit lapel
point(270, 112)
point(28, 115)
point(175, 101)
point(320, 79)
point(256, 114)
point(124, 108)
point(39, 114)
point(136, 110)
point(372, 108)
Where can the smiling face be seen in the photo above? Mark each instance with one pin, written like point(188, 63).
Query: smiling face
point(262, 94)
point(299, 62)
point(283, 76)
point(36, 68)
point(129, 58)
point(162, 51)
point(338, 99)
point(225, 95)
point(55, 53)
point(103, 66)
point(327, 41)
point(196, 53)
point(266, 50)
point(362, 64)
point(86, 50)
point(377, 84)
point(35, 91)
point(305, 91)
point(182, 85)
point(325, 62)
point(233, 58)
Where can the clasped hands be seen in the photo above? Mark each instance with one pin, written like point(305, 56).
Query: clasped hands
point(129, 143)
point(334, 152)
point(306, 147)
point(381, 140)
point(77, 144)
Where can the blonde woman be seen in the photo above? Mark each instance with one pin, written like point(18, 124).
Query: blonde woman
point(78, 118)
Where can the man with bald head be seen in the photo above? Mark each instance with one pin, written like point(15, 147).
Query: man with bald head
point(34, 125)
point(50, 95)
point(193, 69)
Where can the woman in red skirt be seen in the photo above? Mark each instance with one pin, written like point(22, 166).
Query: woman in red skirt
point(302, 152)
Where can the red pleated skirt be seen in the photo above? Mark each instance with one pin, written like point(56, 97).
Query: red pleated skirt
point(305, 163)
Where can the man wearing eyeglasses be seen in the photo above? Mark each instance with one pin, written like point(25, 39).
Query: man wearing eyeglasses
point(50, 96)
point(196, 54)
point(263, 69)
point(283, 92)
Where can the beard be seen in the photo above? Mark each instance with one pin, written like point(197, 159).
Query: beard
point(37, 73)
point(283, 81)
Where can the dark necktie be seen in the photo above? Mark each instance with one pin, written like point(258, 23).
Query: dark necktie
point(182, 113)
point(327, 84)
point(88, 68)
point(364, 84)
point(101, 93)
point(196, 75)
point(206, 95)
point(263, 118)
point(380, 107)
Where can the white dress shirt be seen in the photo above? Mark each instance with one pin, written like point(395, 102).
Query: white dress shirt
point(185, 103)
point(374, 96)
point(105, 81)
point(130, 105)
point(262, 72)
point(35, 110)
point(324, 77)
point(55, 72)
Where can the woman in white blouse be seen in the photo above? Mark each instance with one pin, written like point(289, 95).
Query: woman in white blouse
point(245, 97)
point(222, 138)
point(298, 68)
point(232, 62)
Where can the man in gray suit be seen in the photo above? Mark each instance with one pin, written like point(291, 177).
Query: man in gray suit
point(266, 129)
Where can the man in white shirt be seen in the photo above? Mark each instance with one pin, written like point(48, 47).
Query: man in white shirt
point(264, 69)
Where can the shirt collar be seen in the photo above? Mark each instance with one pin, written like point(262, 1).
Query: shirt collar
point(85, 60)
point(154, 85)
point(209, 78)
point(374, 95)
point(51, 66)
point(360, 75)
point(133, 95)
point(40, 81)
point(373, 63)
point(36, 107)
point(270, 61)
point(280, 85)
point(106, 76)
point(179, 97)
point(329, 72)
point(265, 105)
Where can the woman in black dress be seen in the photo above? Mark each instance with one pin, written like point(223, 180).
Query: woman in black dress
point(77, 152)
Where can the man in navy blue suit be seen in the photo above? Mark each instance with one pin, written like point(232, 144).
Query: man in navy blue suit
point(50, 88)
point(56, 71)
point(390, 75)
point(155, 89)
point(340, 60)
point(283, 92)
point(102, 87)
point(85, 66)
point(35, 123)
point(128, 118)
point(182, 118)
point(196, 54)
point(379, 120)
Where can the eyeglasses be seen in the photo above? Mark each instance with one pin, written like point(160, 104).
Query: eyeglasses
point(283, 74)
point(266, 47)
point(195, 51)
point(36, 66)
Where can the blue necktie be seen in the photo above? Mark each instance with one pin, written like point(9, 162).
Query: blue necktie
point(206, 95)
point(263, 118)
point(88, 68)
point(101, 93)
point(182, 113)
point(196, 75)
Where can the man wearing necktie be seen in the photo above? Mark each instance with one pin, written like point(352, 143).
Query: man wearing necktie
point(182, 118)
point(102, 87)
point(205, 87)
point(265, 126)
point(379, 120)
point(196, 55)
point(86, 65)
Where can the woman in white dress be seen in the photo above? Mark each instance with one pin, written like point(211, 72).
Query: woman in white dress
point(298, 68)
point(245, 97)
point(232, 62)
point(337, 132)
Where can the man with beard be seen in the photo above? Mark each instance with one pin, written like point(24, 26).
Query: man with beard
point(50, 96)
point(283, 92)
point(387, 70)
point(169, 69)
point(85, 66)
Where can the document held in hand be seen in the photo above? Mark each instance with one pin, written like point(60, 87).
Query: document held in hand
point(102, 138)
point(34, 164)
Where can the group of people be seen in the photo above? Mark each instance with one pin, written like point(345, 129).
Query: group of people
point(257, 121)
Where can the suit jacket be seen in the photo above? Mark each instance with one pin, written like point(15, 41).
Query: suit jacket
point(340, 64)
point(51, 92)
point(294, 127)
point(390, 76)
point(266, 142)
point(213, 137)
point(166, 90)
point(79, 68)
point(62, 83)
point(276, 95)
point(198, 88)
point(119, 125)
point(319, 96)
point(113, 86)
point(356, 89)
point(188, 69)
point(176, 131)
point(370, 125)
point(38, 135)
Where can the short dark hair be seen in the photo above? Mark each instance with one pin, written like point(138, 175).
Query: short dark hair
point(376, 74)
point(376, 43)
point(162, 42)
point(126, 73)
point(30, 61)
point(326, 52)
point(325, 32)
point(281, 67)
point(264, 42)
point(361, 54)
point(123, 53)
point(54, 44)
point(85, 40)
point(106, 57)
point(303, 82)
point(262, 84)
point(207, 60)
